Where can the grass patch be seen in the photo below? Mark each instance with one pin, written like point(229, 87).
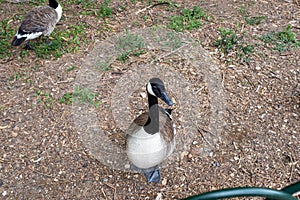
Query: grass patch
point(81, 95)
point(90, 7)
point(130, 44)
point(67, 99)
point(255, 20)
point(229, 42)
point(281, 40)
point(6, 35)
point(189, 19)
point(105, 11)
point(44, 99)
point(65, 41)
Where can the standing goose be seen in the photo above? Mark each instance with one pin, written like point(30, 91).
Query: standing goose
point(39, 21)
point(150, 138)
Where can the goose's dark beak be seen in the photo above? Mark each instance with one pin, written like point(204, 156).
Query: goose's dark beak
point(166, 99)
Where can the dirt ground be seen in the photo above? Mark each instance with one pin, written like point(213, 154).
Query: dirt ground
point(42, 155)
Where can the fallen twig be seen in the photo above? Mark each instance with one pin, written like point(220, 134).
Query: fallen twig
point(151, 6)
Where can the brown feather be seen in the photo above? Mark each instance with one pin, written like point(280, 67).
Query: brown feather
point(40, 19)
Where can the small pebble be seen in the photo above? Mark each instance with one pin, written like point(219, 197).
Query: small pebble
point(164, 181)
point(158, 197)
point(85, 165)
point(127, 166)
point(217, 164)
point(14, 134)
point(4, 193)
point(143, 95)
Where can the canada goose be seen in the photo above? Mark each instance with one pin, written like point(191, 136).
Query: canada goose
point(39, 21)
point(150, 138)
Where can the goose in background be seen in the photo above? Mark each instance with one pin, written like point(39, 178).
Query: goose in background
point(39, 21)
point(150, 138)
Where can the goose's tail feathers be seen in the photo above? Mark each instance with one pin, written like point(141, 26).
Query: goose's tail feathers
point(17, 41)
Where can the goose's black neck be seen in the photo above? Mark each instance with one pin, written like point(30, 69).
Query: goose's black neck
point(152, 124)
point(53, 4)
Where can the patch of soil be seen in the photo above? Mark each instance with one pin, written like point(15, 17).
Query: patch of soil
point(42, 156)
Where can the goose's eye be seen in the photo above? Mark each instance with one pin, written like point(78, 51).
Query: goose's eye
point(157, 91)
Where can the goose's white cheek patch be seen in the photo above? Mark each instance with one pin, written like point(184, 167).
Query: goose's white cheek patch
point(149, 89)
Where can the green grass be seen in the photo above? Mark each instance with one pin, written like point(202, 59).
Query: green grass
point(189, 19)
point(6, 35)
point(67, 99)
point(256, 20)
point(64, 41)
point(44, 99)
point(105, 11)
point(229, 42)
point(129, 45)
point(243, 10)
point(281, 40)
point(81, 95)
point(93, 8)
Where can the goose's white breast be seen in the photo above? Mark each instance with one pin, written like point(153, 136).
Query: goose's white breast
point(145, 150)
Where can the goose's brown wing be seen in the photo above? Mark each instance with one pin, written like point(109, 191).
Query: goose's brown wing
point(38, 20)
point(166, 126)
point(138, 123)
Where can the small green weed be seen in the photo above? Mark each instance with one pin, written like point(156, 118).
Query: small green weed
point(281, 40)
point(243, 10)
point(105, 11)
point(130, 44)
point(82, 95)
point(38, 2)
point(67, 99)
point(228, 42)
point(20, 75)
point(189, 19)
point(90, 7)
point(44, 98)
point(71, 68)
point(255, 20)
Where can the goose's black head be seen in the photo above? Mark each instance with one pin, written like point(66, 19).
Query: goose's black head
point(53, 4)
point(156, 88)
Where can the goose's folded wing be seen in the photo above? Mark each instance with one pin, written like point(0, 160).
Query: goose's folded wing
point(38, 20)
point(137, 123)
point(166, 126)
